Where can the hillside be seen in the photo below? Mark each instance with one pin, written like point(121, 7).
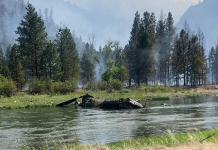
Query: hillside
point(203, 15)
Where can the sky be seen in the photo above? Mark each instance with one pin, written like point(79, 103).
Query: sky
point(177, 7)
point(110, 19)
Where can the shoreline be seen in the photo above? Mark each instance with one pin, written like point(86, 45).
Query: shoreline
point(23, 100)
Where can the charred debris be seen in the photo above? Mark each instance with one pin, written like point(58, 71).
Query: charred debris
point(89, 101)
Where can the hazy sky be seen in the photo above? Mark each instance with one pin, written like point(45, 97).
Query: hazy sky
point(177, 7)
point(110, 19)
point(125, 10)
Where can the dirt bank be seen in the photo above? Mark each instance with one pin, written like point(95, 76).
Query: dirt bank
point(206, 146)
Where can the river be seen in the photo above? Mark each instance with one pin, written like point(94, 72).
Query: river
point(36, 125)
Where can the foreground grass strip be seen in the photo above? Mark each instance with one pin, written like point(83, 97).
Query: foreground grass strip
point(168, 140)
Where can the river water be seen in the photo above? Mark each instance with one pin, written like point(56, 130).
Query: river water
point(37, 125)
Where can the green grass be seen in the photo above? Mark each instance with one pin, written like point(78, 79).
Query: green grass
point(168, 140)
point(154, 93)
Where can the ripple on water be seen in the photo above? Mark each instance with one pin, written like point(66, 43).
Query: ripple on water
point(34, 126)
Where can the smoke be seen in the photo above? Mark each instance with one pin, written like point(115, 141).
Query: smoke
point(108, 19)
point(11, 12)
point(99, 68)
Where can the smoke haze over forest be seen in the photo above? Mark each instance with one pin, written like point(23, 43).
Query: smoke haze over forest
point(108, 19)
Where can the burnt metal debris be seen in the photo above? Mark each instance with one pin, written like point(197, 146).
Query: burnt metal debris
point(89, 101)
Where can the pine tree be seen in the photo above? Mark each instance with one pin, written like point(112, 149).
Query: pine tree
point(147, 43)
point(199, 61)
point(69, 56)
point(161, 43)
point(170, 32)
point(215, 64)
point(15, 66)
point(202, 43)
point(32, 40)
point(1, 60)
point(176, 61)
point(87, 69)
point(50, 62)
point(211, 63)
point(133, 42)
point(184, 41)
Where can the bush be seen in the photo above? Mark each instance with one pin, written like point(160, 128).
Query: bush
point(38, 86)
point(7, 87)
point(165, 89)
point(146, 89)
point(116, 84)
point(155, 89)
point(46, 85)
point(102, 85)
point(65, 87)
point(91, 86)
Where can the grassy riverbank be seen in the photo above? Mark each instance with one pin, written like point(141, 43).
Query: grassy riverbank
point(168, 140)
point(23, 100)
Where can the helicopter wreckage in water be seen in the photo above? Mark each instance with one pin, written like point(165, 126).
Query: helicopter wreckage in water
point(89, 101)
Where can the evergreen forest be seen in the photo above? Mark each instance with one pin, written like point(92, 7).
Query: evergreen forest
point(36, 53)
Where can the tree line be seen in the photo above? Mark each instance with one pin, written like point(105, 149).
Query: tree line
point(33, 56)
point(154, 55)
point(157, 55)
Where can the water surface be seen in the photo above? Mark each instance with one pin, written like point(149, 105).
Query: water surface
point(37, 125)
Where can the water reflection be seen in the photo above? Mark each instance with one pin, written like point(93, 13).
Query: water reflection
point(34, 126)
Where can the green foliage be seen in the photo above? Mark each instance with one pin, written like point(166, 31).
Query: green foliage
point(65, 87)
point(116, 84)
point(156, 89)
point(7, 87)
point(140, 50)
point(112, 72)
point(102, 85)
point(109, 50)
point(189, 59)
point(87, 69)
point(32, 40)
point(40, 85)
point(169, 139)
point(15, 66)
point(91, 86)
point(50, 62)
point(68, 54)
point(107, 76)
point(37, 86)
point(120, 73)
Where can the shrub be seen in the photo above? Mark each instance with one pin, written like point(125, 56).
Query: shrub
point(145, 89)
point(154, 89)
point(91, 86)
point(65, 87)
point(38, 85)
point(47, 85)
point(7, 87)
point(116, 84)
point(165, 89)
point(102, 85)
